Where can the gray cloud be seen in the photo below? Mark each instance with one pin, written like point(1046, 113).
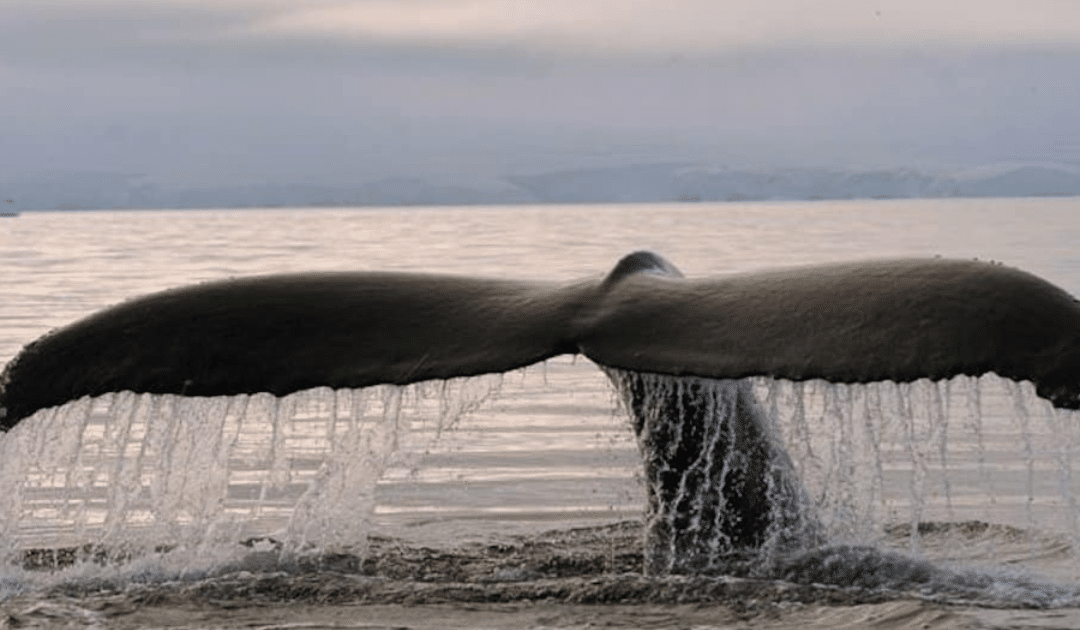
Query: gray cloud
point(636, 27)
point(505, 34)
point(187, 36)
point(320, 90)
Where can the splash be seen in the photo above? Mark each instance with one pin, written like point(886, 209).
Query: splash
point(717, 478)
point(773, 466)
point(881, 487)
point(124, 473)
point(964, 449)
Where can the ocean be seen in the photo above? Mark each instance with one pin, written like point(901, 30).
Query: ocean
point(515, 490)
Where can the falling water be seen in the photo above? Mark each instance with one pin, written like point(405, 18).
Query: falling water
point(717, 478)
point(124, 473)
point(967, 449)
point(970, 471)
point(853, 472)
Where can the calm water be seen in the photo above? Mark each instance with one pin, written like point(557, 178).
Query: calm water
point(537, 449)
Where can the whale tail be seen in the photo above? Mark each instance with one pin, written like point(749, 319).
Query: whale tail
point(898, 320)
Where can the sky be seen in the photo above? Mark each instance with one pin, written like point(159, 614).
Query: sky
point(236, 91)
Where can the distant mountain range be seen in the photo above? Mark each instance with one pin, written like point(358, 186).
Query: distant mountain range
point(637, 183)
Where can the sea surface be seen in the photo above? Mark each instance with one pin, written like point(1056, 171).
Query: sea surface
point(524, 486)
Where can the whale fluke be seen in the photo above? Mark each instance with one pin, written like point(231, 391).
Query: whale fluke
point(717, 478)
point(898, 320)
point(286, 333)
point(889, 320)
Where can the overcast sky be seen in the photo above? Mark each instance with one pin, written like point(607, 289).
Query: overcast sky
point(306, 90)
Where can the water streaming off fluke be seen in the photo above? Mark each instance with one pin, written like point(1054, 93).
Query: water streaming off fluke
point(858, 472)
point(125, 472)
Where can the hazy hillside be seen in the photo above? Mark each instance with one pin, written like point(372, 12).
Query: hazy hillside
point(635, 183)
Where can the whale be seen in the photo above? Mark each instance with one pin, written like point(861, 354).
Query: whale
point(852, 322)
point(644, 323)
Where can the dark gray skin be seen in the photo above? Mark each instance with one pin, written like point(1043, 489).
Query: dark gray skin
point(282, 334)
point(897, 320)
